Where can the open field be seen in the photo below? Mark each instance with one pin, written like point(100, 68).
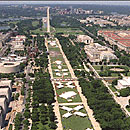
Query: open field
point(75, 122)
point(112, 88)
point(97, 67)
point(37, 31)
point(73, 31)
point(62, 100)
point(14, 22)
point(35, 23)
point(113, 74)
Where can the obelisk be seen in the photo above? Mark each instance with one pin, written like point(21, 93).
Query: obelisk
point(48, 20)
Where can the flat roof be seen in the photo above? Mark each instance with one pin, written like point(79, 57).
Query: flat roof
point(123, 37)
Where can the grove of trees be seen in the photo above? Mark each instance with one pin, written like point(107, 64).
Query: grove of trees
point(106, 110)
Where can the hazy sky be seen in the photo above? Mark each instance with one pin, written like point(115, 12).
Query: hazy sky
point(68, 2)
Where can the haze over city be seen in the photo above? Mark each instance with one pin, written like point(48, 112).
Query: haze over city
point(64, 65)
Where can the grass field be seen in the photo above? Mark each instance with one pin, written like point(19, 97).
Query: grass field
point(35, 23)
point(75, 122)
point(53, 49)
point(14, 22)
point(37, 31)
point(97, 68)
point(68, 31)
point(62, 100)
point(112, 88)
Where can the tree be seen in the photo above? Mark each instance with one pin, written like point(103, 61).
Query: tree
point(124, 92)
point(114, 82)
point(26, 122)
point(53, 125)
point(27, 114)
point(101, 68)
point(43, 118)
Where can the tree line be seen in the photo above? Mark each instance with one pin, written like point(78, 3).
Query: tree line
point(106, 111)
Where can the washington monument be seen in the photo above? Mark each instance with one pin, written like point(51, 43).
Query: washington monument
point(48, 20)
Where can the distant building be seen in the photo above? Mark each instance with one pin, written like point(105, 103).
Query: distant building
point(96, 53)
point(99, 21)
point(18, 42)
point(84, 38)
point(11, 64)
point(4, 38)
point(123, 83)
point(119, 38)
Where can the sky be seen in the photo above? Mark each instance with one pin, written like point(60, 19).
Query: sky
point(68, 2)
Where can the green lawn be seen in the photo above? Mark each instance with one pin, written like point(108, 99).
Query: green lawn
point(39, 31)
point(112, 88)
point(54, 66)
point(69, 31)
point(75, 122)
point(97, 68)
point(62, 100)
point(14, 22)
point(35, 23)
point(128, 109)
point(128, 74)
point(53, 48)
point(53, 59)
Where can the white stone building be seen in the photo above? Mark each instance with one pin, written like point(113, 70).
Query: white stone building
point(11, 64)
point(84, 38)
point(96, 53)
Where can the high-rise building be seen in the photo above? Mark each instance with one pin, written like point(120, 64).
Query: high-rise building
point(48, 20)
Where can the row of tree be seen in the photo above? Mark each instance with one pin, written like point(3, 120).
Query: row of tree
point(106, 111)
point(42, 116)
